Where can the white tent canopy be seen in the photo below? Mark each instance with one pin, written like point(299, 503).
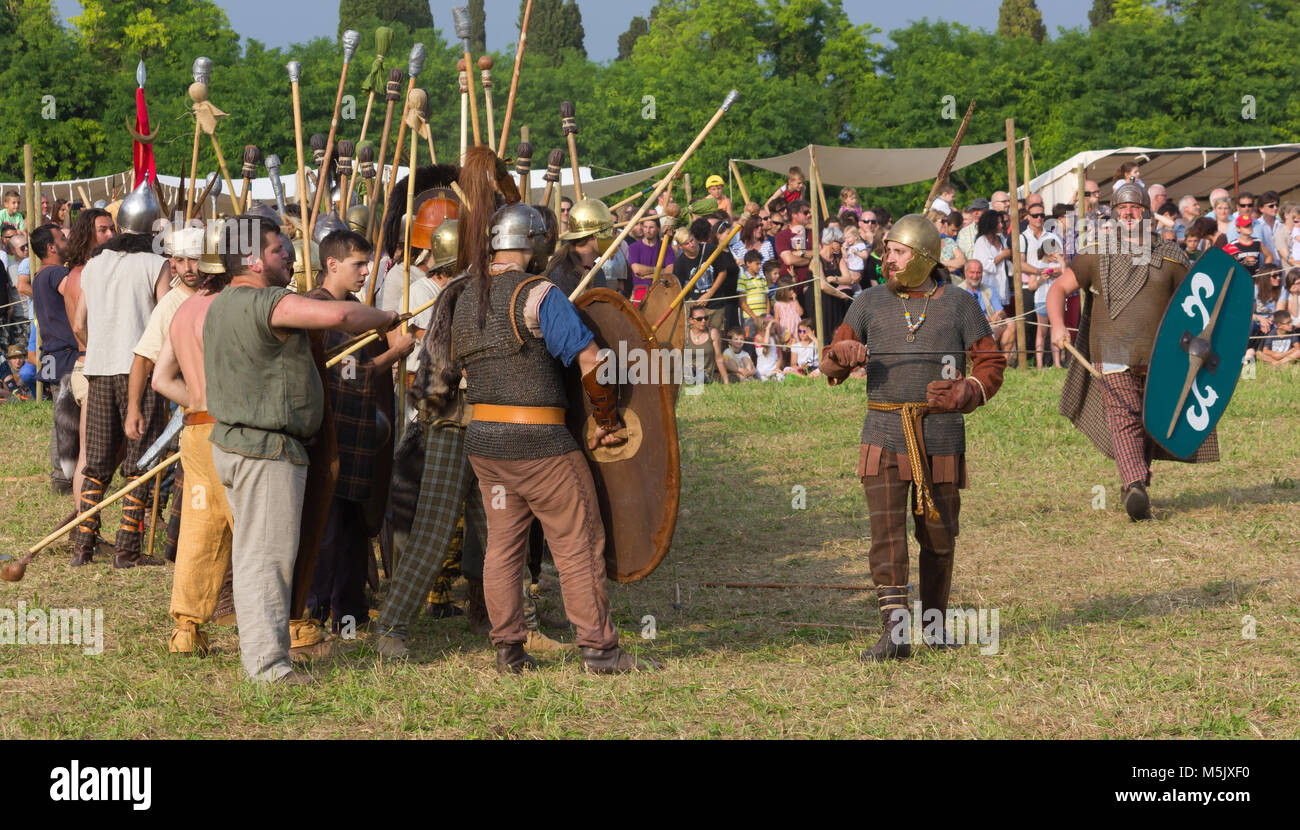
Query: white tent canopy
point(1193, 171)
point(864, 167)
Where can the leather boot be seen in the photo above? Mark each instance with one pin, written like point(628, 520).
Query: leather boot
point(128, 559)
point(936, 583)
point(512, 659)
point(614, 661)
point(1136, 501)
point(188, 640)
point(84, 551)
point(895, 641)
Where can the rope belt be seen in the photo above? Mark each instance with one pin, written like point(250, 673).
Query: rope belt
point(912, 413)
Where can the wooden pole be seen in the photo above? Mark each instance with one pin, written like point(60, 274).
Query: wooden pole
point(408, 220)
point(221, 161)
point(116, 497)
point(817, 270)
point(464, 108)
point(194, 173)
point(485, 75)
point(704, 266)
point(1026, 167)
point(514, 77)
point(153, 522)
point(350, 40)
point(1081, 206)
point(687, 181)
point(295, 69)
point(735, 171)
point(569, 125)
point(681, 161)
point(1018, 295)
point(473, 102)
point(30, 223)
point(392, 91)
point(946, 167)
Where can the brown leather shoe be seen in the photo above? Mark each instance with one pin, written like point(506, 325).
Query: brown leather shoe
point(296, 678)
point(82, 555)
point(614, 661)
point(189, 641)
point(315, 651)
point(123, 559)
point(513, 659)
point(390, 646)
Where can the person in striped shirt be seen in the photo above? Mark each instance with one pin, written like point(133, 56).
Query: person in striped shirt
point(752, 287)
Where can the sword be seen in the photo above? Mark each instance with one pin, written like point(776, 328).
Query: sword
point(156, 449)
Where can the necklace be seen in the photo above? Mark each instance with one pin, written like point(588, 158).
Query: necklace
point(907, 315)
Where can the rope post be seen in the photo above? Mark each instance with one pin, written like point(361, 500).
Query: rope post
point(1017, 294)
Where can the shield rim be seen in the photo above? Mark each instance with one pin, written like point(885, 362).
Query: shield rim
point(668, 411)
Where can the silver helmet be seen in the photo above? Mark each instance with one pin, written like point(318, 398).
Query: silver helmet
point(266, 212)
point(327, 224)
point(520, 227)
point(1130, 193)
point(139, 211)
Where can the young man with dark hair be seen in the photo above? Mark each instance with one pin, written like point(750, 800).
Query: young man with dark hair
point(356, 384)
point(1284, 346)
point(267, 400)
point(59, 348)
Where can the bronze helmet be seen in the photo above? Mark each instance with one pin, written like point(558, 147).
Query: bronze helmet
point(358, 218)
point(442, 245)
point(919, 234)
point(590, 217)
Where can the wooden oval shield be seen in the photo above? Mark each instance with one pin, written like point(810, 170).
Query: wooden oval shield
point(656, 301)
point(1198, 352)
point(638, 484)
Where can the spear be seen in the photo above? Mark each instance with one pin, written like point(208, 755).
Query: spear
point(383, 40)
point(569, 123)
point(295, 73)
point(618, 240)
point(554, 161)
point(202, 71)
point(392, 91)
point(414, 118)
point(464, 107)
point(946, 167)
point(273, 171)
point(699, 272)
point(413, 68)
point(351, 38)
point(460, 16)
point(485, 75)
point(346, 150)
point(514, 77)
point(523, 165)
point(249, 172)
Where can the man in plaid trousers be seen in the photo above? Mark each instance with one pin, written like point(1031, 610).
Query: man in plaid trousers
point(1129, 276)
point(914, 436)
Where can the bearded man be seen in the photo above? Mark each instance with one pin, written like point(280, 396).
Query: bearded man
point(924, 327)
point(1129, 277)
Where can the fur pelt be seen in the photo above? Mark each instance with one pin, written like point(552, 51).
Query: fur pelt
point(67, 438)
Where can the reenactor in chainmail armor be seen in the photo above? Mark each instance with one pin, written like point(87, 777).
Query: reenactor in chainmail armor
point(1127, 279)
point(914, 435)
point(514, 332)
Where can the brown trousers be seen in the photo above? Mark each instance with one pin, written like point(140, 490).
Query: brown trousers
point(888, 503)
point(559, 491)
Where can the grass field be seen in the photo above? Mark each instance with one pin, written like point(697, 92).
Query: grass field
point(1108, 628)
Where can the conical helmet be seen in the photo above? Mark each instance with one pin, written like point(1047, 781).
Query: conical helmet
point(326, 225)
point(358, 218)
point(139, 211)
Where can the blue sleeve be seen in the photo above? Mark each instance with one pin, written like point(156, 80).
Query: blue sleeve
point(31, 339)
point(561, 327)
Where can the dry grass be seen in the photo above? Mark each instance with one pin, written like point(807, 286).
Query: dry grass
point(1108, 629)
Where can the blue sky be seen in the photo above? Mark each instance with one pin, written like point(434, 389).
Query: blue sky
point(284, 22)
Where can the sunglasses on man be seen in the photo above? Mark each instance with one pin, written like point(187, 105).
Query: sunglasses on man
point(1245, 204)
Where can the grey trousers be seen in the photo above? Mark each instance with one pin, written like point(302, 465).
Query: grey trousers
point(265, 499)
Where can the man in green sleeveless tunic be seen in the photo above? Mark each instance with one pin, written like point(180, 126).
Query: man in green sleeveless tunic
point(268, 402)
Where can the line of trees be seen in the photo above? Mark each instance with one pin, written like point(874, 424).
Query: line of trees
point(1168, 74)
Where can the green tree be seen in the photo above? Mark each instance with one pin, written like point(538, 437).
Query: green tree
point(1141, 12)
point(414, 14)
point(1021, 18)
point(627, 41)
point(1101, 12)
point(555, 25)
point(477, 27)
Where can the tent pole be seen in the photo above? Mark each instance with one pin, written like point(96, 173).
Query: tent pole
point(816, 255)
point(1016, 293)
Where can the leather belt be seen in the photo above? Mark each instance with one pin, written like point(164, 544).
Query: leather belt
point(912, 413)
point(197, 418)
point(518, 414)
